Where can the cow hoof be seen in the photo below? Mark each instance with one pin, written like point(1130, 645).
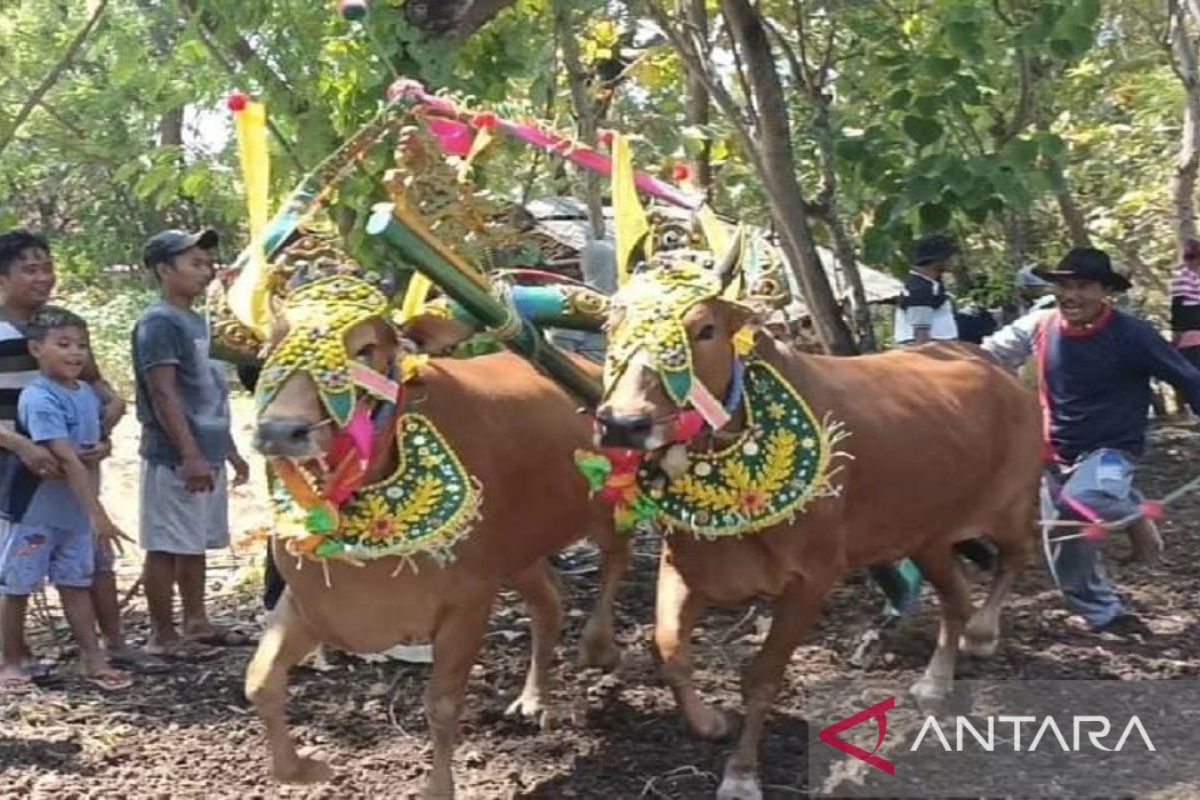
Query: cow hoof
point(930, 691)
point(979, 647)
point(531, 709)
point(304, 770)
point(599, 654)
point(739, 787)
point(711, 724)
point(980, 639)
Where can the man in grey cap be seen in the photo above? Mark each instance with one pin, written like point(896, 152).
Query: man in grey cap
point(183, 406)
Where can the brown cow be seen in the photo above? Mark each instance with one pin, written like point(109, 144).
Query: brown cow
point(516, 432)
point(944, 445)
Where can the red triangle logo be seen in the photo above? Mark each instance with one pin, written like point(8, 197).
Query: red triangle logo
point(877, 712)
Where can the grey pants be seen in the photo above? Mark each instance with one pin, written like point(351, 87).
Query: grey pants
point(1097, 488)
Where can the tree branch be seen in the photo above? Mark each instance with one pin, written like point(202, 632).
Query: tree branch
point(54, 113)
point(53, 75)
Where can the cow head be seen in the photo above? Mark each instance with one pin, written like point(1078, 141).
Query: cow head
point(672, 358)
point(330, 364)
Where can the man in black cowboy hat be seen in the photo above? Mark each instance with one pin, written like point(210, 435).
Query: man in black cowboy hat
point(925, 310)
point(1095, 364)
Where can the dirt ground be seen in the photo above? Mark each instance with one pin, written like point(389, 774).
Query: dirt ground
point(191, 734)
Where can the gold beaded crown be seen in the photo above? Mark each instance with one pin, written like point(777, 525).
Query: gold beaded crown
point(318, 315)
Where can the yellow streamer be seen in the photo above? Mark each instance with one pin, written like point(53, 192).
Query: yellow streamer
point(629, 217)
point(414, 297)
point(249, 296)
point(483, 138)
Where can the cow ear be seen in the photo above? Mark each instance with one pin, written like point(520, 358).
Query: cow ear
point(735, 315)
point(435, 335)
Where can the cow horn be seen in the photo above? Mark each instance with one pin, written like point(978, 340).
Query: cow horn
point(733, 256)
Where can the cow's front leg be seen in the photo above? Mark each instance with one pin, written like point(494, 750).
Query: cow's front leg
point(286, 641)
point(677, 609)
point(537, 588)
point(598, 644)
point(455, 645)
point(792, 618)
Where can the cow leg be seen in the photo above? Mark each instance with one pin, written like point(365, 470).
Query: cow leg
point(598, 643)
point(793, 616)
point(455, 646)
point(982, 634)
point(286, 641)
point(943, 570)
point(537, 587)
point(677, 609)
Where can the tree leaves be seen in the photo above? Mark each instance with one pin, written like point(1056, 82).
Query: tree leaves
point(922, 130)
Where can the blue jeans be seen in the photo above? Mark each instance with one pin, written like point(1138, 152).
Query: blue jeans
point(1097, 488)
point(29, 554)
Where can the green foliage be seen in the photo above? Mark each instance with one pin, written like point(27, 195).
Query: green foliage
point(964, 116)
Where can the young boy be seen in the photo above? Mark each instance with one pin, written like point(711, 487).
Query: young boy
point(53, 517)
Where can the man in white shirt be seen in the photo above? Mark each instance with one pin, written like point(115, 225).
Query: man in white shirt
point(925, 310)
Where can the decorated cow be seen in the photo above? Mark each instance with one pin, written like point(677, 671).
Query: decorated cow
point(774, 472)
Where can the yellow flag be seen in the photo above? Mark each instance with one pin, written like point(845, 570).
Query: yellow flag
point(629, 217)
point(414, 297)
point(482, 139)
point(715, 232)
point(249, 296)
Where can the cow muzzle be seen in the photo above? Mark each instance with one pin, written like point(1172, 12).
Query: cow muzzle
point(631, 431)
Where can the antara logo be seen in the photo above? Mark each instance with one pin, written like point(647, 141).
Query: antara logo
point(983, 732)
point(877, 712)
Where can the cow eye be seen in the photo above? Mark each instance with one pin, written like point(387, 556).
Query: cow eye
point(706, 333)
point(365, 352)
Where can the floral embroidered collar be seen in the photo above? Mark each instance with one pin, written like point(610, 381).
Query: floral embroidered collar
point(766, 476)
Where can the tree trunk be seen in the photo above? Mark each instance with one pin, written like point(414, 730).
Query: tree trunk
point(1072, 217)
point(1015, 223)
point(697, 93)
point(843, 245)
point(1183, 185)
point(779, 176)
point(585, 112)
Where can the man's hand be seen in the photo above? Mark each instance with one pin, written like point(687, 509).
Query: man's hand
point(241, 470)
point(94, 454)
point(197, 473)
point(39, 460)
point(109, 534)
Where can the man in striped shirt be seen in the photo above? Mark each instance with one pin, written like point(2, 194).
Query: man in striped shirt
point(26, 282)
point(1185, 303)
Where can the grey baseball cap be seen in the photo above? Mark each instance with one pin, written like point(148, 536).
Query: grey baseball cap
point(163, 246)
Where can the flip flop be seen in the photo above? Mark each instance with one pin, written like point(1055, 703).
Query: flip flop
point(141, 663)
point(17, 686)
point(222, 636)
point(110, 680)
point(43, 674)
point(184, 650)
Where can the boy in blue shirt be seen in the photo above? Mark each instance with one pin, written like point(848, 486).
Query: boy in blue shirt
point(54, 517)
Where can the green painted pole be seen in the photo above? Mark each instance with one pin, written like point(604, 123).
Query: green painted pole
point(473, 292)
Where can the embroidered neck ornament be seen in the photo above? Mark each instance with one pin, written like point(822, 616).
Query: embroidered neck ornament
point(767, 475)
point(424, 507)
